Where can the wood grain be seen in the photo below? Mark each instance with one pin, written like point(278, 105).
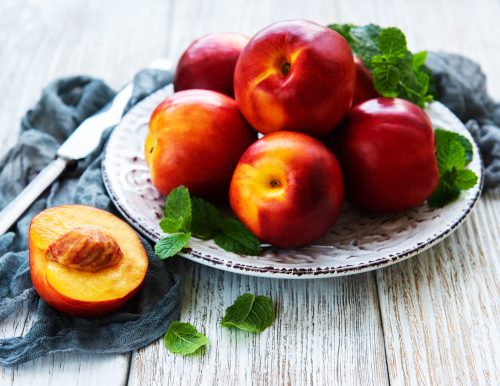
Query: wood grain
point(430, 320)
point(327, 332)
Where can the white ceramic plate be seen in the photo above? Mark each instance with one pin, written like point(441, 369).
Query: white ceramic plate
point(357, 243)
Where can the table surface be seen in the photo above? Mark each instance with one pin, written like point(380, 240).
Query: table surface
point(432, 319)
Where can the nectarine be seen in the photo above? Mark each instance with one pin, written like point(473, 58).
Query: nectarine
point(85, 261)
point(195, 139)
point(295, 75)
point(364, 88)
point(208, 63)
point(287, 189)
point(387, 153)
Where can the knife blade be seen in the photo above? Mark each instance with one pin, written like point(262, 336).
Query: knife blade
point(80, 144)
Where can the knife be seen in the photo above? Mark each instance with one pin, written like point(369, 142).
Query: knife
point(80, 144)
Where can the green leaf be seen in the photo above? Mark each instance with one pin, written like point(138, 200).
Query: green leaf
point(235, 237)
point(250, 313)
point(392, 42)
point(362, 39)
point(171, 244)
point(467, 145)
point(171, 225)
point(386, 79)
point(446, 190)
point(450, 150)
point(183, 338)
point(177, 211)
point(396, 71)
point(453, 153)
point(465, 179)
point(206, 222)
point(418, 60)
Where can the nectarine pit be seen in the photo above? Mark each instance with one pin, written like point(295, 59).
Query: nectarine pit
point(85, 248)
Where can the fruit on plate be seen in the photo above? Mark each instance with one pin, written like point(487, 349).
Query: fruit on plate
point(295, 75)
point(387, 153)
point(195, 139)
point(85, 261)
point(364, 89)
point(287, 189)
point(208, 63)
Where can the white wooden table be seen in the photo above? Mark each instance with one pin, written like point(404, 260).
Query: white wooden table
point(433, 319)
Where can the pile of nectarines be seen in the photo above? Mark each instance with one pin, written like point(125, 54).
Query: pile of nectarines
point(298, 84)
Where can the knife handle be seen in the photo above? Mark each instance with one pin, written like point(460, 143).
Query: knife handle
point(30, 193)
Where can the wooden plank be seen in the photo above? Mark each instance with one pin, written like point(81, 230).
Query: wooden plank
point(440, 310)
point(326, 331)
point(40, 41)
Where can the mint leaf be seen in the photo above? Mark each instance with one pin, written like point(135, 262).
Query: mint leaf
point(386, 77)
point(171, 244)
point(171, 225)
point(453, 153)
point(235, 237)
point(449, 151)
point(446, 190)
point(396, 71)
point(467, 147)
point(418, 60)
point(362, 39)
point(206, 221)
point(177, 211)
point(465, 179)
point(392, 42)
point(250, 313)
point(183, 338)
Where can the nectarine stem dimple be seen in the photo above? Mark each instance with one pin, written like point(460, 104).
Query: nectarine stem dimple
point(275, 183)
point(285, 68)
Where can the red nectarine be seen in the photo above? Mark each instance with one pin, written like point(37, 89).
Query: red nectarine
point(387, 153)
point(295, 75)
point(195, 139)
point(287, 189)
point(208, 63)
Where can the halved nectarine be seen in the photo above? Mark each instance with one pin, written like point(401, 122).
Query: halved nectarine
point(85, 261)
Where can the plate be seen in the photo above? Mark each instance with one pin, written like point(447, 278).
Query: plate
point(357, 243)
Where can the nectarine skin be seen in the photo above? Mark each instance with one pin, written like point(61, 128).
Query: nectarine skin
point(195, 139)
point(387, 152)
point(364, 89)
point(287, 189)
point(208, 63)
point(295, 75)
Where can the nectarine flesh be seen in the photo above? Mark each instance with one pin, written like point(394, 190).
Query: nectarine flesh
point(85, 261)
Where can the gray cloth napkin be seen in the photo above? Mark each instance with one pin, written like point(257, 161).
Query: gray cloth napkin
point(461, 86)
point(63, 105)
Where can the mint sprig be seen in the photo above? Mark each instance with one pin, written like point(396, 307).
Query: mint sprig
point(396, 71)
point(250, 313)
point(186, 216)
point(453, 153)
point(183, 338)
